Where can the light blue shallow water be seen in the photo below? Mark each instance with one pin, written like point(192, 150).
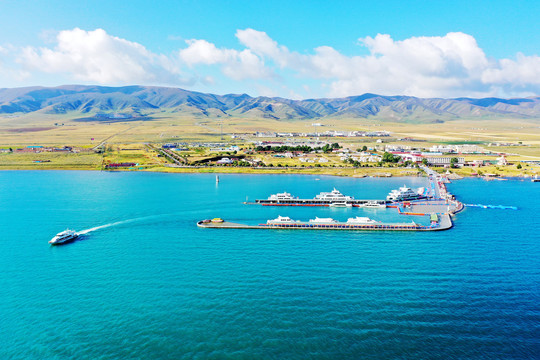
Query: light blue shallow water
point(159, 287)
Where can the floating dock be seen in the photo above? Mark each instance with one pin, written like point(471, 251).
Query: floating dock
point(444, 223)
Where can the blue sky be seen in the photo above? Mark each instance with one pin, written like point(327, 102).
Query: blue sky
point(280, 48)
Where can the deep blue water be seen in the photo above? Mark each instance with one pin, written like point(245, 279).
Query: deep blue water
point(159, 287)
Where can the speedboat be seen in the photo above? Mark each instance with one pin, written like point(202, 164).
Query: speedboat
point(64, 237)
point(341, 204)
point(374, 204)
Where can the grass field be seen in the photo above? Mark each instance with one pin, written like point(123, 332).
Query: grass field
point(60, 161)
point(125, 140)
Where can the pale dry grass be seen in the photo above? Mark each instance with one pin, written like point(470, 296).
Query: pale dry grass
point(168, 127)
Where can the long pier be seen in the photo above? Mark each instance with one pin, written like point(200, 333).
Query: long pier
point(315, 202)
point(444, 223)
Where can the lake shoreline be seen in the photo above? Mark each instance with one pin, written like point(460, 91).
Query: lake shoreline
point(339, 172)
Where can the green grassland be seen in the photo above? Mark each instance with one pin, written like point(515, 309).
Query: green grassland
point(57, 161)
point(124, 141)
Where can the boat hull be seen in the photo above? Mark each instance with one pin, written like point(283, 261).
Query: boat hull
point(64, 240)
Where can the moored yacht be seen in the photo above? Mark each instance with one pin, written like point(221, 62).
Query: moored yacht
point(333, 196)
point(282, 220)
point(341, 204)
point(405, 193)
point(282, 196)
point(64, 237)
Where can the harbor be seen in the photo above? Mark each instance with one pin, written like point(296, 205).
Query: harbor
point(434, 204)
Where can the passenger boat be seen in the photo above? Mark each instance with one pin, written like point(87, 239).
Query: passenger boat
point(64, 237)
point(405, 193)
point(333, 196)
point(355, 223)
point(282, 196)
point(282, 220)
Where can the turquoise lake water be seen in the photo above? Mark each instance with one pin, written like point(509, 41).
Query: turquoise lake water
point(153, 285)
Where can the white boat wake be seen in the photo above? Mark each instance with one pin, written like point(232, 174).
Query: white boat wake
point(82, 232)
point(86, 231)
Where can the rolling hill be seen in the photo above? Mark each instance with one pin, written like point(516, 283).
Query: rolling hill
point(104, 102)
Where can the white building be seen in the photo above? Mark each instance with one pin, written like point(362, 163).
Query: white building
point(400, 148)
point(442, 149)
point(463, 148)
point(366, 157)
point(224, 161)
point(411, 157)
point(469, 149)
point(444, 161)
point(266, 134)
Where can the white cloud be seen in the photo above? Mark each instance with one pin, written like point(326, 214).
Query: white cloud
point(261, 44)
point(523, 71)
point(420, 66)
point(8, 71)
point(96, 56)
point(446, 66)
point(203, 52)
point(426, 66)
point(238, 65)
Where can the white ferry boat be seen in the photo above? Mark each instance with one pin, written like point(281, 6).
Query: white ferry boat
point(282, 220)
point(333, 196)
point(64, 237)
point(318, 220)
point(282, 196)
point(361, 220)
point(405, 193)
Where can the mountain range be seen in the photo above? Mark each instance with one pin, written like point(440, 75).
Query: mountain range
point(102, 103)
